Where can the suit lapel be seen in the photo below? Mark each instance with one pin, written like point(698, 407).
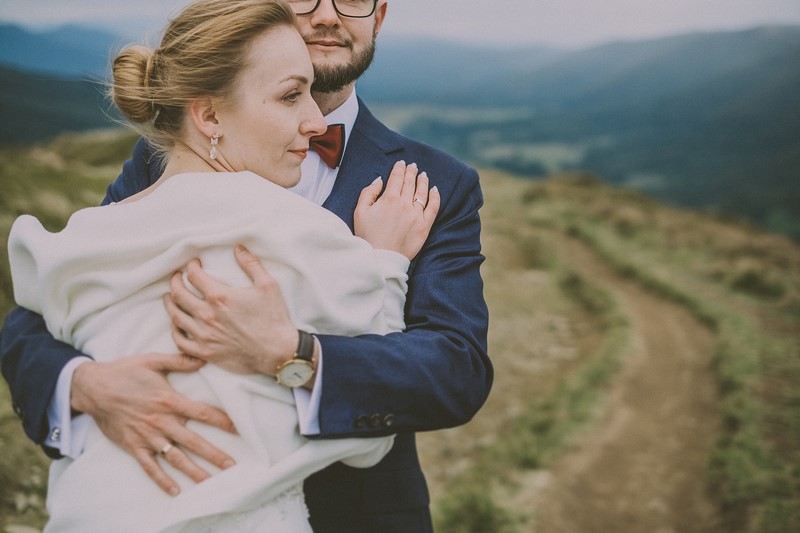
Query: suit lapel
point(371, 151)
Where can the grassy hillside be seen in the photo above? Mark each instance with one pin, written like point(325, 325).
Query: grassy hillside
point(606, 308)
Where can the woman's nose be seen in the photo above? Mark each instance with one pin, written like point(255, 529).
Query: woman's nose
point(314, 123)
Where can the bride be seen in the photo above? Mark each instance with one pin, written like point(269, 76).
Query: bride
point(227, 100)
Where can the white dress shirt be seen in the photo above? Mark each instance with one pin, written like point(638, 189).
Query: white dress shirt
point(68, 433)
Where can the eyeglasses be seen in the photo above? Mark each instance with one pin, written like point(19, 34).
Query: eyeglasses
point(346, 8)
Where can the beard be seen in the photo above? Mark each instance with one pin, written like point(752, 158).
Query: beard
point(329, 79)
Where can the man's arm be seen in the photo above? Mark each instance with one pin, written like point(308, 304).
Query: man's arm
point(437, 373)
point(31, 361)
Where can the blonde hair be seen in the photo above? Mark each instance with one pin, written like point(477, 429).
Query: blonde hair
point(201, 54)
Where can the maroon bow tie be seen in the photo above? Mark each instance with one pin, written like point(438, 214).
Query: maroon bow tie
point(329, 145)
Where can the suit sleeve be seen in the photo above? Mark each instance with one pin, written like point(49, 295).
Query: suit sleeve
point(437, 372)
point(30, 358)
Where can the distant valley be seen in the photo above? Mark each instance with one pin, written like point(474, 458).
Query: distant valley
point(706, 120)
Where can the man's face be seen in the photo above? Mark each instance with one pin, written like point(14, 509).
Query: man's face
point(341, 48)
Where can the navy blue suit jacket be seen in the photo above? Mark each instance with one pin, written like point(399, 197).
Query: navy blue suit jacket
point(434, 375)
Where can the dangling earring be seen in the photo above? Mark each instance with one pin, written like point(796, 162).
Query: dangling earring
point(214, 141)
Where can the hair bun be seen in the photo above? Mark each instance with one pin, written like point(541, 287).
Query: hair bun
point(132, 71)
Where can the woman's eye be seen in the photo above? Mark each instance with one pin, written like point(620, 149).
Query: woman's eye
point(292, 96)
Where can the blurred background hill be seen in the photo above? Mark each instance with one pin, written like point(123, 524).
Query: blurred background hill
point(705, 120)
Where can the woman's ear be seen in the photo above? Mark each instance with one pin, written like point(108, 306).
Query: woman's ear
point(204, 116)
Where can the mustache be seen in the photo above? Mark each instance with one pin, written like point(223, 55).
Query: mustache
point(328, 35)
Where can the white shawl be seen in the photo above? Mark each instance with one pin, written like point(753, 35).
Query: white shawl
point(99, 285)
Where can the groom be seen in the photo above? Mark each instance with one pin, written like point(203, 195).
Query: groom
point(436, 374)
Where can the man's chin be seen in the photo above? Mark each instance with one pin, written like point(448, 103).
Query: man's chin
point(334, 71)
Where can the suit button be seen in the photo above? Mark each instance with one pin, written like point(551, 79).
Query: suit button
point(17, 409)
point(362, 421)
point(375, 420)
point(388, 421)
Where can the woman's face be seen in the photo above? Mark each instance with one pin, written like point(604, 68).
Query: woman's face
point(267, 123)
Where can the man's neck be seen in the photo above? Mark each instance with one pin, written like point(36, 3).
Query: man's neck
point(328, 102)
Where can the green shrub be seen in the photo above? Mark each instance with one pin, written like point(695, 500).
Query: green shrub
point(470, 508)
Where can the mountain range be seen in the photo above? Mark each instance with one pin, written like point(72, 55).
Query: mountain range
point(702, 119)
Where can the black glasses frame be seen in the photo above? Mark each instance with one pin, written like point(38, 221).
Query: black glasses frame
point(374, 4)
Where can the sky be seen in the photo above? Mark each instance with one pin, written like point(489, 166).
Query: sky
point(562, 23)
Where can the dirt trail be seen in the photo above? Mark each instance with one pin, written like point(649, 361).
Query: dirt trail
point(643, 466)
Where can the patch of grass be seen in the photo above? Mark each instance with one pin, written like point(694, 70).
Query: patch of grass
point(757, 282)
point(536, 253)
point(104, 148)
point(470, 508)
point(589, 296)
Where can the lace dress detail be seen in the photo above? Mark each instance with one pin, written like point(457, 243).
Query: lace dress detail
point(285, 514)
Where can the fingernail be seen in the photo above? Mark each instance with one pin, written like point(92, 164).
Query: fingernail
point(376, 180)
point(435, 188)
point(228, 463)
point(239, 248)
point(423, 174)
point(174, 491)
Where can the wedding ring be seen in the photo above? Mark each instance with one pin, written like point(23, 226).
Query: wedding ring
point(420, 202)
point(165, 450)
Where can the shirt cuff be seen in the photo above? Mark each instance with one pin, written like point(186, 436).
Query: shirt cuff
point(67, 433)
point(307, 401)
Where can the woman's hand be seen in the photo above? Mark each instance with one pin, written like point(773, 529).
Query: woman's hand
point(400, 219)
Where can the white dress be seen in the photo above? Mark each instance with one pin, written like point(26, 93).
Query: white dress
point(99, 285)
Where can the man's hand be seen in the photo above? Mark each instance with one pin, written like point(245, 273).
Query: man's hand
point(136, 408)
point(244, 330)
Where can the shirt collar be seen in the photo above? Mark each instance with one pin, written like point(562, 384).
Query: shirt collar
point(345, 114)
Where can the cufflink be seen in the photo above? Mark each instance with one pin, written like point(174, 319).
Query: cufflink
point(55, 434)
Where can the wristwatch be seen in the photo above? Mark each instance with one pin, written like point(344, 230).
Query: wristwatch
point(299, 370)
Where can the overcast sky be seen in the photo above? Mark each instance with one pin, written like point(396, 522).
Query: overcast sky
point(505, 22)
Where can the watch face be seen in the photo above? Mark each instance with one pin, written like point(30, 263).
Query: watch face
point(295, 373)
